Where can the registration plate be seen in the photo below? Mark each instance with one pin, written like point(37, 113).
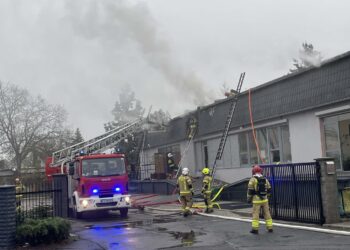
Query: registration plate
point(106, 200)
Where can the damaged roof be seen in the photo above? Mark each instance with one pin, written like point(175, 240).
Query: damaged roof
point(301, 91)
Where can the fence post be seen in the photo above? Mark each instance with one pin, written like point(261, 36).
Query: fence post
point(329, 189)
point(7, 217)
point(60, 196)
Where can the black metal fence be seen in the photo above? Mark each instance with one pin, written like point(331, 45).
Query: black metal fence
point(36, 200)
point(296, 192)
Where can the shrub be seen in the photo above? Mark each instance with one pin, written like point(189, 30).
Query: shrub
point(39, 212)
point(38, 231)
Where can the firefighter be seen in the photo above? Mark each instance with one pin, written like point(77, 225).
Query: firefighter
point(206, 190)
point(19, 189)
point(184, 186)
point(258, 190)
point(172, 168)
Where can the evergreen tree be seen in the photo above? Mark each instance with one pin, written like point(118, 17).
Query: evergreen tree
point(126, 109)
point(77, 137)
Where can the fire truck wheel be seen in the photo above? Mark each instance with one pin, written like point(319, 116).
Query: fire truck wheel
point(124, 212)
point(77, 215)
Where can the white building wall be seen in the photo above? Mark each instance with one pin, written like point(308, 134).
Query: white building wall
point(199, 157)
point(188, 156)
point(228, 168)
point(148, 156)
point(305, 137)
point(147, 163)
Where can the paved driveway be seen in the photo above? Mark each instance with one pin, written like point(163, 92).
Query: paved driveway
point(169, 230)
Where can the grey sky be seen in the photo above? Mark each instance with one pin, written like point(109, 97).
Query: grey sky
point(175, 54)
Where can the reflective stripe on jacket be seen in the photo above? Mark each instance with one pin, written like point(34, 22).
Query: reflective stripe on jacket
point(253, 188)
point(184, 183)
point(207, 183)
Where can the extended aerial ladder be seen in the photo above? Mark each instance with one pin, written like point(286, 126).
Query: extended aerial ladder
point(97, 144)
point(228, 124)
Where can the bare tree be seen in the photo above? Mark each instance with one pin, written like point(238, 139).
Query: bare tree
point(62, 139)
point(26, 121)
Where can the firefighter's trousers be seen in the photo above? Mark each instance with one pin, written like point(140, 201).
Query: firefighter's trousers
point(186, 202)
point(266, 212)
point(207, 201)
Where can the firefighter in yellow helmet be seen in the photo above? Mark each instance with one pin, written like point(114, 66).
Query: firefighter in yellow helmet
point(184, 185)
point(206, 190)
point(258, 189)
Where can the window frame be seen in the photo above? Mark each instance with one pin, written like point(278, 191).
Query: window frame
point(269, 150)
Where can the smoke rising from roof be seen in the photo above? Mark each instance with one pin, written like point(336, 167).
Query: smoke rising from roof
point(115, 22)
point(314, 59)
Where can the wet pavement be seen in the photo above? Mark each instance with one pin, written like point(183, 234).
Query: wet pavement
point(158, 224)
point(168, 229)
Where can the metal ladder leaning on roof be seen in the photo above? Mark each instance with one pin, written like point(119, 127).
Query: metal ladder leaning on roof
point(227, 124)
point(97, 144)
point(183, 155)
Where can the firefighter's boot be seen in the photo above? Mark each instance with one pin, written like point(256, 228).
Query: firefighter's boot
point(254, 231)
point(209, 210)
point(187, 212)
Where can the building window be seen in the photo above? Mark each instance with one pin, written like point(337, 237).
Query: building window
point(252, 149)
point(274, 146)
point(262, 142)
point(337, 140)
point(243, 149)
point(286, 149)
point(206, 157)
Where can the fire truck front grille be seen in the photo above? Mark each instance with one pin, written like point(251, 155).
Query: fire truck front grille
point(106, 193)
point(107, 204)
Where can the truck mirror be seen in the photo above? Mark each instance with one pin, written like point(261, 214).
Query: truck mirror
point(71, 168)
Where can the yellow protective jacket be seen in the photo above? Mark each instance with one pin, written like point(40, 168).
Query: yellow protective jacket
point(184, 184)
point(206, 187)
point(253, 190)
point(19, 189)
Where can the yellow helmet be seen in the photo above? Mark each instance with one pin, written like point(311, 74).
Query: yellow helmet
point(206, 171)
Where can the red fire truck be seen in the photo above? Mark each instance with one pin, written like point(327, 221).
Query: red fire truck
point(96, 180)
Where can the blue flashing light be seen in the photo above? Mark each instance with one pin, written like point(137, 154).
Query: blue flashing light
point(95, 190)
point(117, 189)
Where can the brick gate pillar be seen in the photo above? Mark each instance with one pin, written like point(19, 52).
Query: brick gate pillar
point(7, 217)
point(329, 189)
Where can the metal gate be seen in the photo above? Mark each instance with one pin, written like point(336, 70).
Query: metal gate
point(37, 200)
point(296, 192)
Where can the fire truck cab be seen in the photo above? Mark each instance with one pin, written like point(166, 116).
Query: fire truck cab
point(98, 182)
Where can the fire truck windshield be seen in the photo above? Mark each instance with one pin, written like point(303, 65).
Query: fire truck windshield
point(103, 167)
